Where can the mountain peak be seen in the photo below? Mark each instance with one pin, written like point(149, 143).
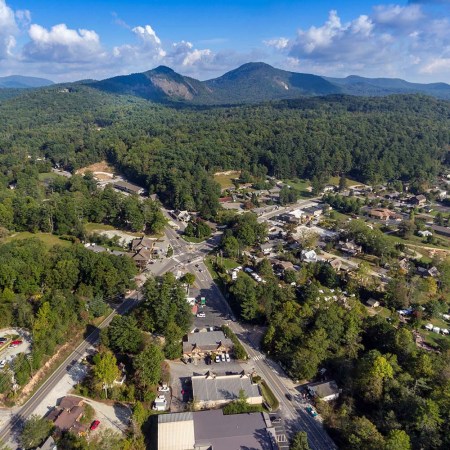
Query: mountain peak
point(162, 70)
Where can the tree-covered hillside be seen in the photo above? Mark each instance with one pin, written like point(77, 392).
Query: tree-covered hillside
point(175, 151)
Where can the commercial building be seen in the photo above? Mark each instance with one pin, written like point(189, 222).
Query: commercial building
point(213, 430)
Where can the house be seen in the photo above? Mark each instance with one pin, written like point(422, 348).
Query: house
point(267, 248)
point(49, 444)
point(418, 200)
point(225, 199)
point(282, 266)
point(424, 272)
point(336, 264)
point(313, 211)
point(142, 257)
point(443, 231)
point(325, 391)
point(213, 430)
point(350, 247)
point(143, 242)
point(128, 187)
point(67, 416)
point(182, 216)
point(309, 256)
point(206, 342)
point(373, 303)
point(211, 390)
point(383, 214)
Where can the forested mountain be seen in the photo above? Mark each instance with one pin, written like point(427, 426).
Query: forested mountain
point(20, 82)
point(255, 82)
point(355, 85)
point(174, 151)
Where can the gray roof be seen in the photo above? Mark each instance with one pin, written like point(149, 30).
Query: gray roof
point(325, 389)
point(215, 430)
point(206, 388)
point(207, 340)
point(175, 417)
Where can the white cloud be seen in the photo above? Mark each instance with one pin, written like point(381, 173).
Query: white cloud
point(8, 30)
point(62, 44)
point(400, 41)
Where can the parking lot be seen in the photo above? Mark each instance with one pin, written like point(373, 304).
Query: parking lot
point(9, 353)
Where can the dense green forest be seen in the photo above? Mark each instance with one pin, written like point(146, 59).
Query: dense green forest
point(174, 151)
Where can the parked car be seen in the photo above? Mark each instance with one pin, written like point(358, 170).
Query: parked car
point(3, 339)
point(201, 314)
point(164, 388)
point(289, 397)
point(94, 425)
point(217, 359)
point(15, 343)
point(275, 419)
point(311, 411)
point(227, 357)
point(2, 363)
point(222, 356)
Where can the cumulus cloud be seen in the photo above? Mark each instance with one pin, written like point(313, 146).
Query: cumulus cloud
point(392, 40)
point(8, 30)
point(62, 44)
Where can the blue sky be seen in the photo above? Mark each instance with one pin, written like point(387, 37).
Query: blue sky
point(69, 40)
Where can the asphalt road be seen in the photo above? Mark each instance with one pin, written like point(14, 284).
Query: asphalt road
point(13, 428)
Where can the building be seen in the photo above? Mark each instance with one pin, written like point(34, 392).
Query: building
point(418, 200)
point(267, 248)
point(143, 242)
point(49, 444)
point(203, 430)
point(309, 256)
point(373, 303)
point(313, 211)
point(182, 216)
point(443, 231)
point(383, 214)
point(211, 390)
point(67, 416)
point(142, 257)
point(129, 188)
point(325, 391)
point(206, 342)
point(350, 248)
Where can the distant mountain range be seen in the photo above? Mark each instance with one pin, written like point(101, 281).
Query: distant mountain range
point(20, 82)
point(256, 82)
point(249, 83)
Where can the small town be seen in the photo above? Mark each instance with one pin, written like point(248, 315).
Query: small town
point(225, 225)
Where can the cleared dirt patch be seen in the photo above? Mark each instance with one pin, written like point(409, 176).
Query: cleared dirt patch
point(102, 170)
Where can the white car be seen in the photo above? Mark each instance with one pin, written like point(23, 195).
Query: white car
point(227, 357)
point(164, 388)
point(2, 363)
point(201, 314)
point(223, 357)
point(217, 359)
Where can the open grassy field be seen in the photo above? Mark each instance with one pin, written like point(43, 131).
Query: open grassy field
point(350, 182)
point(93, 227)
point(301, 186)
point(225, 179)
point(48, 239)
point(48, 176)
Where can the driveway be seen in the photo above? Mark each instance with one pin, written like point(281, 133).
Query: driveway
point(8, 353)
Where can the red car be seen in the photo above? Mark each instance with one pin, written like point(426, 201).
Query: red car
point(95, 425)
point(15, 343)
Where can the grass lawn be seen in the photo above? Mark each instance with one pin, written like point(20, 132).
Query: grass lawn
point(350, 182)
point(301, 186)
point(226, 180)
point(92, 227)
point(269, 396)
point(48, 176)
point(48, 239)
